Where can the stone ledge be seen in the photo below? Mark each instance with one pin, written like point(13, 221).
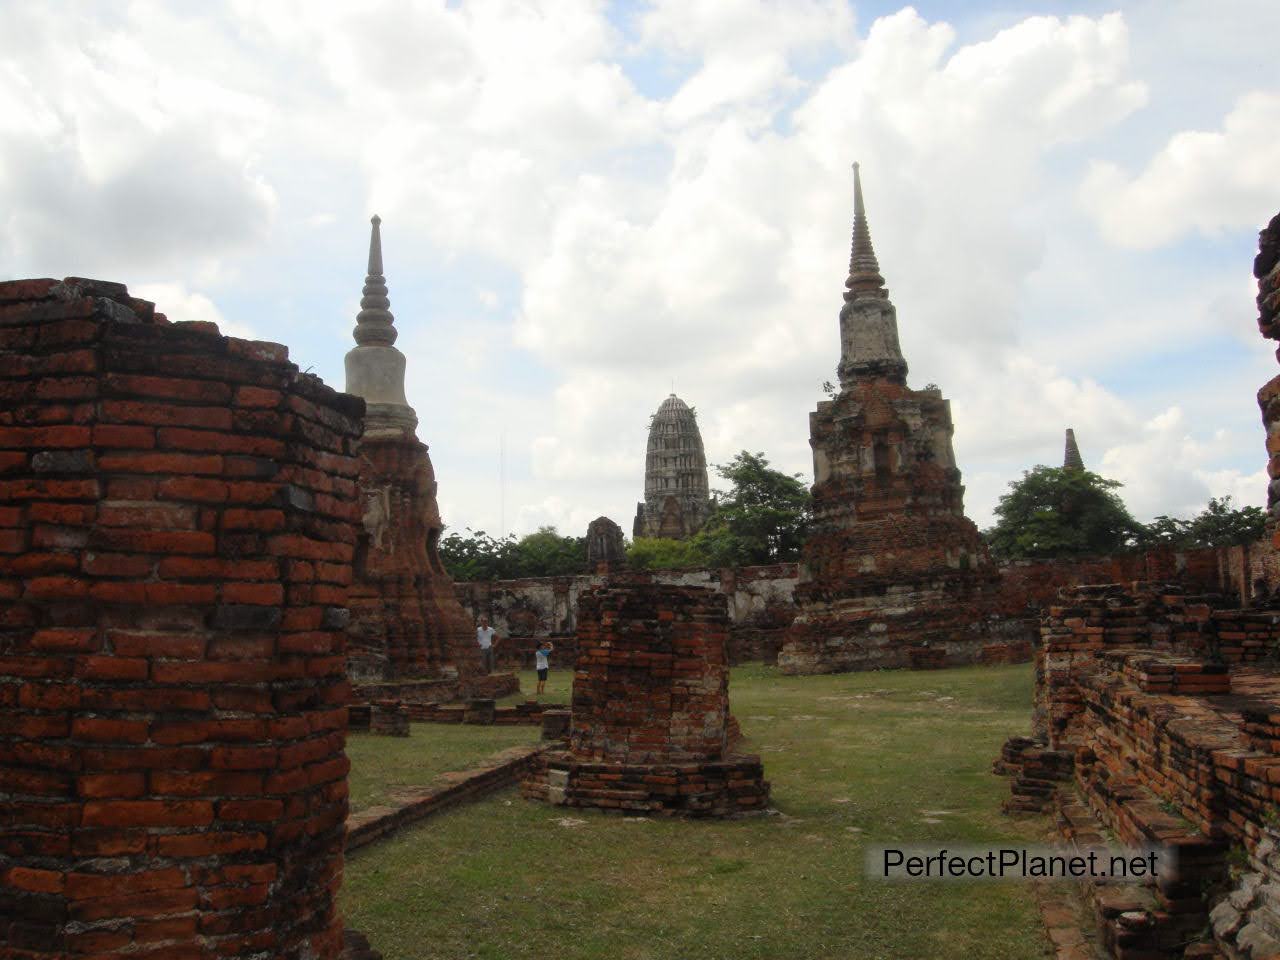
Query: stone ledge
point(448, 790)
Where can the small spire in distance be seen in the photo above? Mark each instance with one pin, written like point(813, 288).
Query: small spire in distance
point(375, 322)
point(1071, 459)
point(864, 270)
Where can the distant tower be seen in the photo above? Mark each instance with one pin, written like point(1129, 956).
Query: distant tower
point(676, 498)
point(1072, 460)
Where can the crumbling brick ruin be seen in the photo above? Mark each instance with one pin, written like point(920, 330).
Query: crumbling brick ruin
point(177, 535)
point(650, 726)
point(891, 563)
point(676, 494)
point(605, 549)
point(535, 608)
point(1157, 721)
point(406, 622)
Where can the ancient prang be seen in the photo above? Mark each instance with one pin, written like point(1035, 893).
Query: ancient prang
point(893, 570)
point(178, 523)
point(406, 623)
point(650, 731)
point(676, 494)
point(1071, 459)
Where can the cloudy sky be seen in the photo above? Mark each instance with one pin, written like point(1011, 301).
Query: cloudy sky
point(585, 203)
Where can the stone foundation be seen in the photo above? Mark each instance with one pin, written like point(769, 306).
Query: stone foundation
point(176, 536)
point(649, 727)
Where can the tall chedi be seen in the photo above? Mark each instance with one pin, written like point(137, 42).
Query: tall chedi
point(676, 495)
point(405, 620)
point(892, 566)
point(1071, 459)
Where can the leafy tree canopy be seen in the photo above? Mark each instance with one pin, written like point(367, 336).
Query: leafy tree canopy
point(1217, 525)
point(1052, 512)
point(478, 556)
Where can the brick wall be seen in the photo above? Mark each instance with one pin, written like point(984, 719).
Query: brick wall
point(405, 619)
point(531, 609)
point(176, 539)
point(652, 676)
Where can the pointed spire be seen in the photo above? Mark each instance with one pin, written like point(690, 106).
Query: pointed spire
point(375, 368)
point(864, 270)
point(1071, 459)
point(375, 322)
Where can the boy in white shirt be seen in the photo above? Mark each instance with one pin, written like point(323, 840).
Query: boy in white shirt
point(543, 663)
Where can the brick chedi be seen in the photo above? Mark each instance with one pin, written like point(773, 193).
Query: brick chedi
point(406, 621)
point(650, 725)
point(605, 549)
point(892, 563)
point(676, 495)
point(1071, 459)
point(176, 532)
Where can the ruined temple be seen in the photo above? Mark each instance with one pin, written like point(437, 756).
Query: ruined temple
point(1071, 459)
point(605, 548)
point(892, 565)
point(406, 621)
point(676, 499)
point(650, 731)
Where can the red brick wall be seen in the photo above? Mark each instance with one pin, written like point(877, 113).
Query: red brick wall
point(652, 677)
point(176, 538)
point(405, 619)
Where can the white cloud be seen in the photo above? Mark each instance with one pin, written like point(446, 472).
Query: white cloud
point(179, 304)
point(597, 243)
point(1202, 180)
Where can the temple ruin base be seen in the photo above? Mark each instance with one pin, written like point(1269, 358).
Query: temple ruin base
point(730, 787)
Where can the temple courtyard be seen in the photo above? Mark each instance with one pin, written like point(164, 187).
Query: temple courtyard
point(854, 760)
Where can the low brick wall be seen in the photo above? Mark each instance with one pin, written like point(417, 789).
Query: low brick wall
point(1163, 729)
point(415, 804)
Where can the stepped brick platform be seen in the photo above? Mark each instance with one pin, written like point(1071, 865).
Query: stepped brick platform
point(175, 548)
point(649, 731)
point(1151, 736)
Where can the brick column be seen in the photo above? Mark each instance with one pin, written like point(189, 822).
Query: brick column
point(176, 539)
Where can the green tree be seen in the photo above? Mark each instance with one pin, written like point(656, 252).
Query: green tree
point(1052, 512)
point(478, 556)
point(763, 518)
point(1217, 525)
point(547, 554)
point(659, 553)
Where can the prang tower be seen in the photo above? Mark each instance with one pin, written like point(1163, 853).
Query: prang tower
point(676, 498)
point(892, 563)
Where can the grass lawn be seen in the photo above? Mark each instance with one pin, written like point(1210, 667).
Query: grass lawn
point(382, 765)
point(559, 687)
point(855, 760)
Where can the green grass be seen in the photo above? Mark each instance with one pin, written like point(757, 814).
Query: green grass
point(559, 687)
point(855, 760)
point(382, 765)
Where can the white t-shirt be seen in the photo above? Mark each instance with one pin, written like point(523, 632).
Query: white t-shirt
point(484, 637)
point(543, 660)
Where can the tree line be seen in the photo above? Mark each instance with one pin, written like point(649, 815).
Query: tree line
point(765, 514)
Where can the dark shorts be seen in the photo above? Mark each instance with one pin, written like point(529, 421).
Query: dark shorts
point(542, 673)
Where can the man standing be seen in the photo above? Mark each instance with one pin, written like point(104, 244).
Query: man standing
point(484, 637)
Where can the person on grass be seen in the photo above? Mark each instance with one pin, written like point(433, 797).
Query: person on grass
point(484, 637)
point(543, 663)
